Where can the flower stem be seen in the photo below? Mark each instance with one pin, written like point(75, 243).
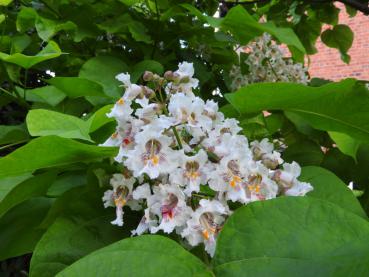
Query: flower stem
point(178, 138)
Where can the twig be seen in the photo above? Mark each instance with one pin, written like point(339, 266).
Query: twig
point(360, 6)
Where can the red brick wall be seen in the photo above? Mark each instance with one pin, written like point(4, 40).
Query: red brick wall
point(327, 63)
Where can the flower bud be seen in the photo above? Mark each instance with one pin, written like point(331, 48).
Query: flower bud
point(169, 75)
point(270, 163)
point(148, 92)
point(161, 81)
point(176, 77)
point(148, 76)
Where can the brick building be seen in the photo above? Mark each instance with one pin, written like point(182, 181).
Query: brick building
point(327, 62)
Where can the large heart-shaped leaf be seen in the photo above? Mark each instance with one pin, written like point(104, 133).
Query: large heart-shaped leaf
point(340, 107)
point(51, 51)
point(340, 37)
point(46, 28)
point(75, 87)
point(47, 94)
point(50, 151)
point(102, 70)
point(45, 123)
point(148, 255)
point(293, 229)
point(329, 187)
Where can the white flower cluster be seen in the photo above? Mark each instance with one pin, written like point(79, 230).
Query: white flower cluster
point(184, 162)
point(267, 63)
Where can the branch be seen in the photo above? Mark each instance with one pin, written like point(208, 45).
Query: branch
point(356, 4)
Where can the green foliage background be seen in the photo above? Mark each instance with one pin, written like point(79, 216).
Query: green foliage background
point(53, 174)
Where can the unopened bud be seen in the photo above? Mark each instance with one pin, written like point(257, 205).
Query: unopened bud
point(161, 81)
point(148, 76)
point(169, 75)
point(270, 163)
point(148, 92)
point(176, 77)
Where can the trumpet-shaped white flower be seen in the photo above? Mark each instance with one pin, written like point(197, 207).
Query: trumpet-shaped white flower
point(132, 90)
point(190, 110)
point(168, 203)
point(205, 224)
point(122, 110)
point(211, 109)
point(299, 189)
point(191, 173)
point(148, 221)
point(126, 133)
point(151, 155)
point(120, 196)
point(221, 145)
point(230, 177)
point(183, 80)
point(148, 111)
point(264, 151)
point(259, 186)
point(287, 180)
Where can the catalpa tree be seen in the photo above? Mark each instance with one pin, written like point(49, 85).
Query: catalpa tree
point(157, 138)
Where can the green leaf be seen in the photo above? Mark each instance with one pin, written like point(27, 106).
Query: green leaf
point(139, 32)
point(169, 259)
point(102, 70)
point(270, 266)
point(329, 187)
point(47, 94)
point(5, 2)
point(51, 51)
point(308, 30)
point(50, 151)
point(19, 227)
point(19, 43)
point(340, 107)
point(8, 183)
point(47, 28)
point(99, 118)
point(65, 182)
point(45, 123)
point(244, 27)
point(340, 37)
point(13, 134)
point(293, 229)
point(304, 152)
point(345, 143)
point(28, 18)
point(75, 87)
point(85, 227)
point(148, 65)
point(33, 187)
